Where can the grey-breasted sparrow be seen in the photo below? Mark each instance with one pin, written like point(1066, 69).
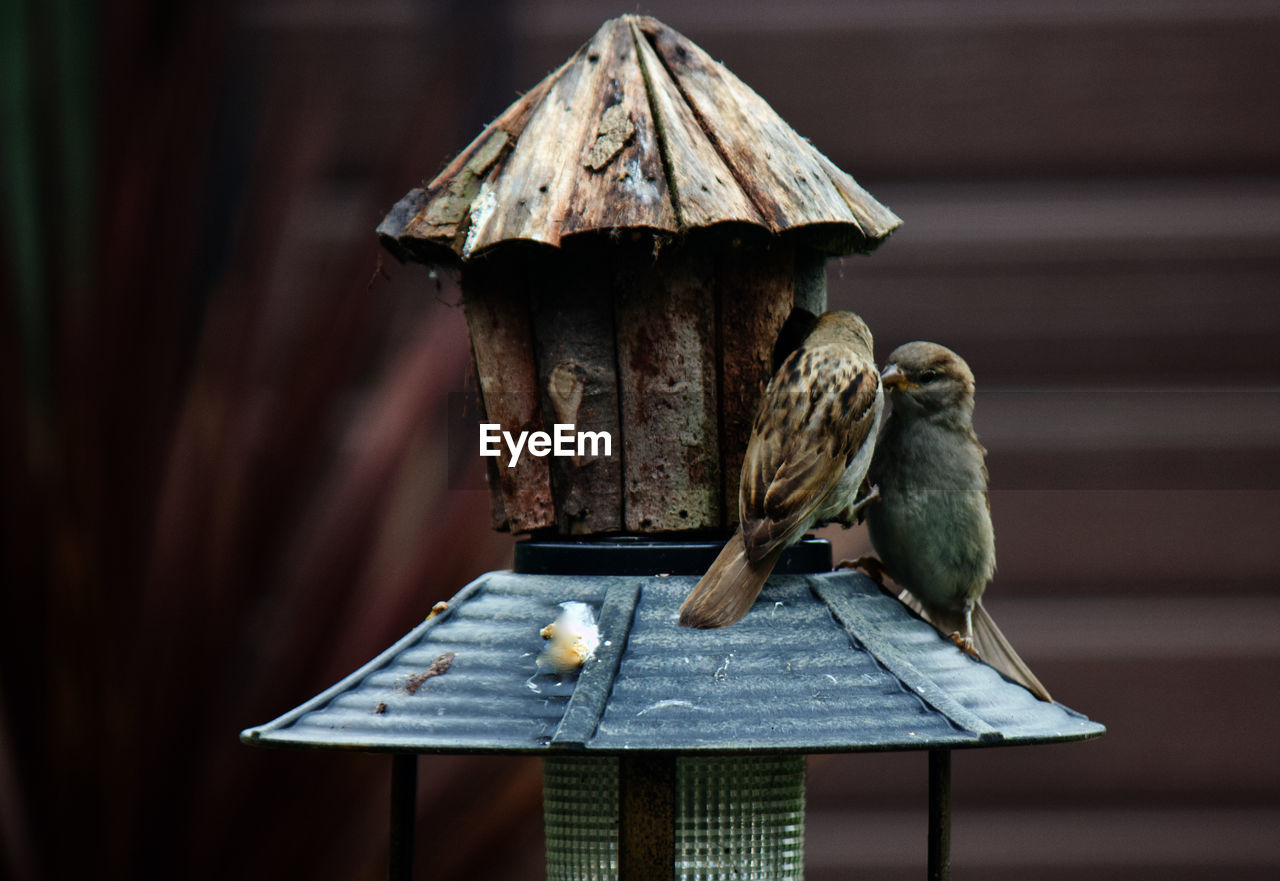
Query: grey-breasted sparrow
point(932, 527)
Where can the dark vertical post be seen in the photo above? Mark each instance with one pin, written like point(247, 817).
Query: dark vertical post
point(811, 281)
point(404, 791)
point(646, 818)
point(939, 814)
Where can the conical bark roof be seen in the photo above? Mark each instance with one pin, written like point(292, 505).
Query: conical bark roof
point(640, 129)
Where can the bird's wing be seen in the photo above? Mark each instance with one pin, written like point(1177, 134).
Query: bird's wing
point(816, 414)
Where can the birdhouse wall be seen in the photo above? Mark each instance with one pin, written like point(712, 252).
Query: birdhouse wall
point(573, 323)
point(496, 300)
point(665, 346)
point(757, 295)
point(667, 374)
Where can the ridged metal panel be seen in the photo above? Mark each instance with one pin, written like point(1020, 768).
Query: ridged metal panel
point(824, 662)
point(786, 674)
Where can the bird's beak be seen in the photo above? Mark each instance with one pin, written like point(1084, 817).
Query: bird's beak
point(893, 378)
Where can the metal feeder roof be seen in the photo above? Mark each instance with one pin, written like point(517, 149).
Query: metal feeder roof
point(824, 662)
point(640, 129)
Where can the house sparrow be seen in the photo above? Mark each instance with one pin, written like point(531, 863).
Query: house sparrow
point(932, 527)
point(810, 447)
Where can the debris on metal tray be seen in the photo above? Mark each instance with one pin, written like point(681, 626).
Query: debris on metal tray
point(438, 667)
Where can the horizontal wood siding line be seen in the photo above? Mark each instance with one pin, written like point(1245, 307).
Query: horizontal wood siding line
point(1077, 220)
point(1030, 839)
point(1009, 97)
point(892, 100)
point(1125, 535)
point(1081, 219)
point(569, 18)
point(1225, 468)
point(1050, 419)
point(1207, 626)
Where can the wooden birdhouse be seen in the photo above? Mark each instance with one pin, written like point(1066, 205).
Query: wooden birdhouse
point(632, 235)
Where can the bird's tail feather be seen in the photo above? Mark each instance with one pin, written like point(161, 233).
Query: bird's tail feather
point(729, 588)
point(993, 648)
point(988, 642)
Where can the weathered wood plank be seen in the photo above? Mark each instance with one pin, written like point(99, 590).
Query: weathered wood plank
point(530, 193)
point(493, 479)
point(704, 187)
point(540, 194)
point(619, 178)
point(667, 379)
point(573, 321)
point(494, 294)
point(755, 290)
point(439, 213)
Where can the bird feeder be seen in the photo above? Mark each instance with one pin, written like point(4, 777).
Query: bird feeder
point(634, 237)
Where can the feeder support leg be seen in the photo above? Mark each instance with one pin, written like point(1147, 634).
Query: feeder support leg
point(404, 791)
point(939, 814)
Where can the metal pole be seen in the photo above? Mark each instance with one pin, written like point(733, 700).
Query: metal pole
point(404, 792)
point(939, 814)
point(646, 817)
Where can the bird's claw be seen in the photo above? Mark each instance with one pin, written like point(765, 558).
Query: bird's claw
point(870, 566)
point(857, 509)
point(965, 644)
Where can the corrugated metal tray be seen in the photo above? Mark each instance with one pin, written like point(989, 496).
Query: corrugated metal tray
point(825, 662)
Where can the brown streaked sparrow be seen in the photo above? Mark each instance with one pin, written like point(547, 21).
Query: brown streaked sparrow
point(932, 527)
point(810, 448)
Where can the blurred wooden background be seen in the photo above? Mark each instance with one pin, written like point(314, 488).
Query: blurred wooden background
point(228, 481)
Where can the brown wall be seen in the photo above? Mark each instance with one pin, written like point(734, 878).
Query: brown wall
point(1091, 198)
point(242, 494)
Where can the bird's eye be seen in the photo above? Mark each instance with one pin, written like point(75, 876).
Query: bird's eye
point(929, 376)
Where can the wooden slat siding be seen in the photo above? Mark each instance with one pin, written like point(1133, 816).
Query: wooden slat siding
point(1163, 302)
point(1219, 469)
point(1083, 220)
point(1217, 764)
point(942, 100)
point(495, 296)
point(667, 377)
point(573, 313)
point(1040, 91)
point(1070, 842)
point(1067, 97)
point(1222, 536)
point(755, 289)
